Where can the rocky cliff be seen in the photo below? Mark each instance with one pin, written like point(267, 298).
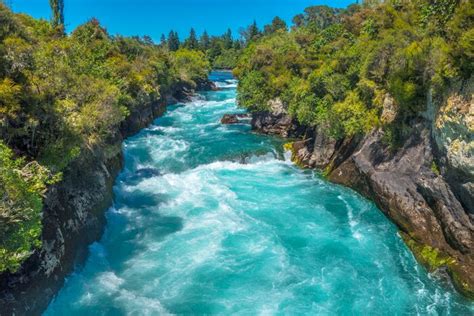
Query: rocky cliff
point(74, 214)
point(425, 186)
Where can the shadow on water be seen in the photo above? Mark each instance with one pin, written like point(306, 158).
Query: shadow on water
point(139, 199)
point(140, 174)
point(147, 225)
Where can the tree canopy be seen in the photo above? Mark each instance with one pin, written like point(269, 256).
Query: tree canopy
point(335, 67)
point(63, 96)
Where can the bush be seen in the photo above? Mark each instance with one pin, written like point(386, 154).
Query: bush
point(60, 95)
point(351, 117)
point(191, 65)
point(254, 93)
point(334, 67)
point(22, 186)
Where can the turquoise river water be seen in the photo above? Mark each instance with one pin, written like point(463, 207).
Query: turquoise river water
point(214, 219)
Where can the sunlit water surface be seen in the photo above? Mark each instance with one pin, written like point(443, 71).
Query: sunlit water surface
point(213, 219)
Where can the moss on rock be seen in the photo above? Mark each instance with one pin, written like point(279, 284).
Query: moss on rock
point(290, 146)
point(433, 259)
point(461, 285)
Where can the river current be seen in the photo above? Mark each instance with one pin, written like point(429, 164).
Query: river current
point(214, 219)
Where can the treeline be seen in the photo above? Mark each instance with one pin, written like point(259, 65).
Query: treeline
point(62, 95)
point(335, 68)
point(222, 51)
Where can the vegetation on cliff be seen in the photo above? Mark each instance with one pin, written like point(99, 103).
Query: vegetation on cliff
point(403, 67)
point(62, 94)
point(337, 67)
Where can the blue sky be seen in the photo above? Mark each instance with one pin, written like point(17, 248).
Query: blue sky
point(154, 17)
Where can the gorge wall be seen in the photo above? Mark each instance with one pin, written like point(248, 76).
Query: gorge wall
point(74, 214)
point(425, 186)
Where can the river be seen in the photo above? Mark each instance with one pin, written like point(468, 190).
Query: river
point(214, 219)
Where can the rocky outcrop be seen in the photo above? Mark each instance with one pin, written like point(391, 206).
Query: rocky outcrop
point(424, 187)
point(453, 133)
point(416, 199)
point(228, 119)
point(205, 85)
point(74, 215)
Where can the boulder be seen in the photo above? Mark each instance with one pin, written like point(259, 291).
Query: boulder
point(228, 119)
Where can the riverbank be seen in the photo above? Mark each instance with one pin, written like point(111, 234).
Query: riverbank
point(74, 213)
point(422, 186)
point(215, 219)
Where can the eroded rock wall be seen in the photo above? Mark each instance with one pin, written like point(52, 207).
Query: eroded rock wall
point(425, 187)
point(74, 214)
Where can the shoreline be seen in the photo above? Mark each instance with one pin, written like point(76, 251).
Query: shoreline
point(405, 199)
point(74, 214)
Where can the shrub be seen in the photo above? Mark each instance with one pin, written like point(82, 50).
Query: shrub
point(22, 186)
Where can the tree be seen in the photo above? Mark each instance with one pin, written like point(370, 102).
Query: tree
point(227, 38)
point(57, 6)
point(191, 42)
point(215, 48)
point(173, 41)
point(276, 25)
point(61, 97)
point(237, 45)
point(298, 20)
point(148, 40)
point(191, 65)
point(251, 33)
point(163, 41)
point(204, 41)
point(320, 16)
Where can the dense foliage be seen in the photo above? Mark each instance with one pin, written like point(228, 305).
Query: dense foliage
point(57, 7)
point(61, 95)
point(222, 52)
point(23, 185)
point(336, 67)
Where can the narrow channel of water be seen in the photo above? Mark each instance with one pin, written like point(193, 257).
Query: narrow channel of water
point(213, 219)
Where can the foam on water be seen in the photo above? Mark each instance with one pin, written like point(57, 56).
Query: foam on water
point(213, 219)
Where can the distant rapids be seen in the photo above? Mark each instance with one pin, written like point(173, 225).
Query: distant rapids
point(214, 219)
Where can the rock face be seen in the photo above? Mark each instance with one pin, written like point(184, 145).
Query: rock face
point(453, 133)
point(206, 85)
point(235, 119)
point(425, 187)
point(74, 216)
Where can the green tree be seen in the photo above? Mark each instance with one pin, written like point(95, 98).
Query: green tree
point(60, 98)
point(335, 67)
point(173, 41)
point(227, 39)
point(320, 16)
point(298, 20)
point(204, 41)
point(237, 45)
point(215, 48)
point(253, 91)
point(191, 42)
point(163, 42)
point(191, 65)
point(436, 14)
point(276, 25)
point(57, 6)
point(252, 32)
